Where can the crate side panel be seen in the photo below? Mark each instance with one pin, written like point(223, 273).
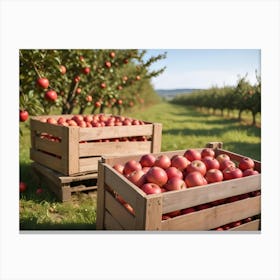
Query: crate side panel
point(215, 216)
point(47, 160)
point(250, 226)
point(114, 148)
point(55, 130)
point(97, 133)
point(48, 146)
point(119, 212)
point(110, 223)
point(88, 164)
point(157, 136)
point(198, 195)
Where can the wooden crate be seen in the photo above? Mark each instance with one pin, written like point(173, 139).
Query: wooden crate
point(63, 186)
point(76, 150)
point(112, 215)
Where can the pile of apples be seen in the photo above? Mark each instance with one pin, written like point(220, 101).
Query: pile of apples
point(155, 175)
point(97, 120)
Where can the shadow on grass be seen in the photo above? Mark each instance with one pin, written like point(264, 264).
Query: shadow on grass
point(223, 127)
point(252, 150)
point(31, 224)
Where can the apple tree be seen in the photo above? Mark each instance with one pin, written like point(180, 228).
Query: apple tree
point(84, 79)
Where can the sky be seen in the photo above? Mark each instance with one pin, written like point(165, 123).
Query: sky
point(203, 68)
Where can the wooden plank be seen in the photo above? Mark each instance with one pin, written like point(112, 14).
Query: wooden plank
point(140, 210)
point(128, 191)
point(114, 148)
point(72, 147)
point(119, 212)
point(175, 200)
point(66, 116)
point(69, 179)
point(153, 212)
point(88, 164)
point(156, 141)
point(215, 216)
point(48, 146)
point(47, 160)
point(100, 197)
point(108, 132)
point(111, 223)
point(250, 226)
point(82, 188)
point(55, 130)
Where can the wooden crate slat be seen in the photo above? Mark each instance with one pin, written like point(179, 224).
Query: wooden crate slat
point(215, 216)
point(128, 191)
point(199, 195)
point(113, 148)
point(48, 146)
point(110, 222)
point(153, 212)
point(47, 160)
point(82, 188)
point(156, 141)
point(117, 210)
point(88, 164)
point(100, 210)
point(250, 226)
point(39, 126)
point(108, 132)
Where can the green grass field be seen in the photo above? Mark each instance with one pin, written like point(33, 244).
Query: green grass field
point(183, 128)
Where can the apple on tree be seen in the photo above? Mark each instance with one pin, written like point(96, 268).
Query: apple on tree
point(23, 115)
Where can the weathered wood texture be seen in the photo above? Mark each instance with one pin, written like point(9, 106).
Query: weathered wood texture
point(77, 150)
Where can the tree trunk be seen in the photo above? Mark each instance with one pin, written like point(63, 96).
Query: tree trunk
point(239, 114)
point(254, 118)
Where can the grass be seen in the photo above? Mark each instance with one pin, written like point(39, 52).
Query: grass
point(182, 128)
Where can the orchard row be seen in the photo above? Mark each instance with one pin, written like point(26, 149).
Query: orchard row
point(241, 97)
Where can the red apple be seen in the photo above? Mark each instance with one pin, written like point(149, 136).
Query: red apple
point(192, 154)
point(235, 224)
point(247, 220)
point(147, 160)
point(173, 172)
point(51, 120)
point(180, 162)
point(23, 115)
point(146, 169)
point(131, 166)
point(162, 161)
point(218, 202)
point(207, 152)
point(43, 82)
point(222, 157)
point(214, 175)
point(39, 191)
point(246, 163)
point(137, 177)
point(112, 54)
point(51, 95)
point(157, 175)
point(174, 213)
point(86, 70)
point(249, 172)
point(174, 184)
point(165, 217)
point(210, 163)
point(119, 167)
point(129, 208)
point(188, 210)
point(22, 187)
point(232, 172)
point(226, 163)
point(151, 188)
point(62, 69)
point(108, 64)
point(203, 206)
point(194, 179)
point(196, 165)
